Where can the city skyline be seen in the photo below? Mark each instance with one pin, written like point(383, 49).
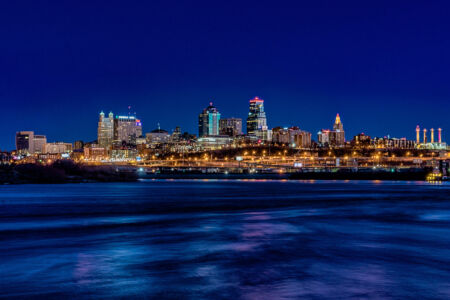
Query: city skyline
point(382, 66)
point(225, 149)
point(411, 135)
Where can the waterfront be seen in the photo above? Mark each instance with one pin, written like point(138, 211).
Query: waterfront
point(238, 239)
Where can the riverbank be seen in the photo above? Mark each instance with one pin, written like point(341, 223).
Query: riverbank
point(409, 174)
point(63, 171)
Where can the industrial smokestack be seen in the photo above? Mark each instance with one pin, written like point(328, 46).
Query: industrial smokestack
point(424, 135)
point(440, 135)
point(418, 134)
point(432, 135)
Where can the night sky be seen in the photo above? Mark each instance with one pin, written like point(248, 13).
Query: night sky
point(383, 65)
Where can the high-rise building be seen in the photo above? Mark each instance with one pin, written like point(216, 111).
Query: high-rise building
point(339, 133)
point(40, 143)
point(208, 121)
point(25, 142)
point(29, 143)
point(256, 120)
point(127, 129)
point(105, 132)
point(335, 137)
point(230, 126)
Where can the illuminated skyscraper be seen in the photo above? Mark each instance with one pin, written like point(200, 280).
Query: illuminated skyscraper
point(335, 137)
point(208, 121)
point(105, 131)
point(339, 132)
point(126, 130)
point(256, 120)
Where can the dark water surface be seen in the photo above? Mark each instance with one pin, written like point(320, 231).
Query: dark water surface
point(226, 240)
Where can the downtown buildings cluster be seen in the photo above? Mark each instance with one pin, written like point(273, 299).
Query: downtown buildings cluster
point(121, 138)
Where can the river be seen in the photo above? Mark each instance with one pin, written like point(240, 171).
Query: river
point(219, 239)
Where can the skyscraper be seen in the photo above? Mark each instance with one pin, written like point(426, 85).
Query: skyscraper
point(335, 137)
point(256, 120)
point(208, 121)
point(339, 132)
point(105, 132)
point(127, 129)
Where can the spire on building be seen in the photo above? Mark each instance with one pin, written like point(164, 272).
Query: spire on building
point(338, 124)
point(338, 119)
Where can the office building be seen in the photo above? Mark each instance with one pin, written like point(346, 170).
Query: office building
point(230, 126)
point(126, 130)
point(392, 143)
point(25, 142)
point(256, 120)
point(157, 136)
point(339, 133)
point(28, 143)
point(208, 121)
point(293, 136)
point(105, 131)
point(93, 152)
point(361, 140)
point(335, 137)
point(176, 134)
point(39, 144)
point(214, 142)
point(58, 147)
point(299, 138)
point(280, 135)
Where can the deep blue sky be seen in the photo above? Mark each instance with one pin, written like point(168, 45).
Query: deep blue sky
point(383, 65)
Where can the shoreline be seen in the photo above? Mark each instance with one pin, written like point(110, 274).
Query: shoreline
point(69, 172)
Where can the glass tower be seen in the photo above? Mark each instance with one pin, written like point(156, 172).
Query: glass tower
point(208, 121)
point(256, 120)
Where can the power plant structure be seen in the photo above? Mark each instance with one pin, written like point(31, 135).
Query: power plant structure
point(429, 144)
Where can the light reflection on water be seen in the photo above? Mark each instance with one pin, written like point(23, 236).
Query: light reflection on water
point(226, 239)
